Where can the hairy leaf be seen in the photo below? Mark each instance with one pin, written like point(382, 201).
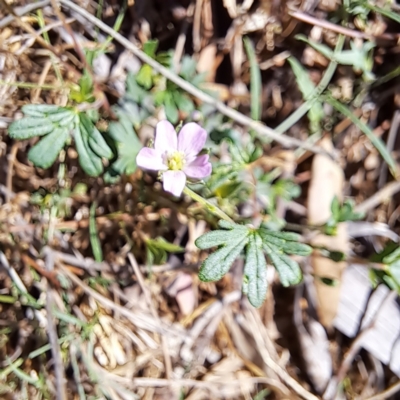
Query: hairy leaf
point(255, 272)
point(218, 263)
point(288, 269)
point(128, 146)
point(95, 140)
point(231, 241)
point(219, 237)
point(44, 153)
point(30, 127)
point(287, 242)
point(88, 160)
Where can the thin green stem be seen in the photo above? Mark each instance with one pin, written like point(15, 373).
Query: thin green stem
point(207, 205)
point(29, 85)
point(376, 141)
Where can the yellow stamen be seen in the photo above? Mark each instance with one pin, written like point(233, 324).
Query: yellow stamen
point(176, 161)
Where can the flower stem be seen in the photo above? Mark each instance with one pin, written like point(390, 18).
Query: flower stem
point(207, 205)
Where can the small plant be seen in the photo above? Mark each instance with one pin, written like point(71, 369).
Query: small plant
point(341, 213)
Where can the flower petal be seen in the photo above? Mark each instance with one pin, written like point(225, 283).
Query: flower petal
point(191, 139)
point(151, 159)
point(199, 168)
point(166, 137)
point(174, 182)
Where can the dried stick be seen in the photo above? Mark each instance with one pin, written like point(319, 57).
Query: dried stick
point(308, 19)
point(386, 193)
point(188, 87)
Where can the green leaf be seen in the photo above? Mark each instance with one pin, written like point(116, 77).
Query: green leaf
point(40, 110)
point(145, 77)
point(219, 237)
point(218, 263)
point(44, 153)
point(303, 80)
point(231, 241)
point(288, 269)
point(29, 127)
point(387, 13)
point(128, 146)
point(376, 141)
point(150, 47)
point(321, 48)
point(94, 237)
point(255, 272)
point(41, 119)
point(255, 80)
point(184, 102)
point(88, 160)
point(95, 139)
point(307, 89)
point(392, 257)
point(287, 242)
point(188, 67)
point(157, 249)
point(170, 108)
point(335, 208)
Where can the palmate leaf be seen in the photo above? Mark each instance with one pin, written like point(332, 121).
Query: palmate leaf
point(255, 272)
point(128, 146)
point(231, 241)
point(57, 123)
point(91, 146)
point(44, 153)
point(277, 245)
point(41, 119)
point(233, 238)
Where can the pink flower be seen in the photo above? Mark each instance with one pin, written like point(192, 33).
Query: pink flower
point(176, 156)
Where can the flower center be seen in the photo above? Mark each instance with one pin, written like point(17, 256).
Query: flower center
point(176, 161)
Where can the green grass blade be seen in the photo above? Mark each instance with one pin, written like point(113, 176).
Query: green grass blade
point(255, 80)
point(94, 238)
point(377, 142)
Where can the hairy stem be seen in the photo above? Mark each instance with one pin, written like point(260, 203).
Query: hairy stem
point(207, 205)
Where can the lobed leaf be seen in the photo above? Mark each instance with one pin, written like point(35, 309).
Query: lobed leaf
point(286, 242)
point(88, 160)
point(95, 139)
point(44, 153)
point(218, 263)
point(220, 237)
point(40, 110)
point(29, 127)
point(128, 145)
point(255, 272)
point(288, 269)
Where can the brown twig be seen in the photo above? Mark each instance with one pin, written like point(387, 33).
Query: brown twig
point(379, 197)
point(49, 275)
point(301, 16)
